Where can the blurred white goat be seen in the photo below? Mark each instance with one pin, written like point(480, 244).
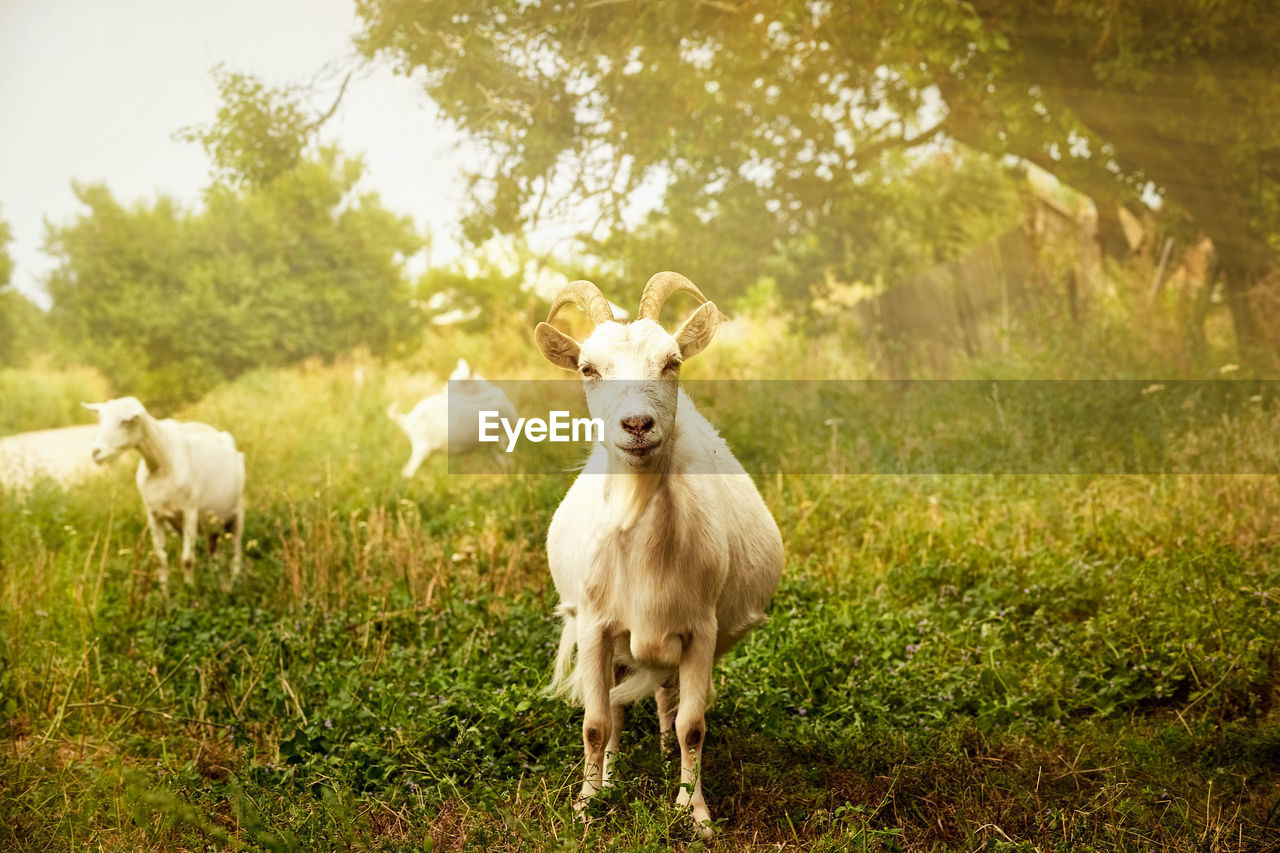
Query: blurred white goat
point(430, 422)
point(191, 477)
point(663, 552)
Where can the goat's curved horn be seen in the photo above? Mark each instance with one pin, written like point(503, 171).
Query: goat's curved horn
point(586, 296)
point(659, 288)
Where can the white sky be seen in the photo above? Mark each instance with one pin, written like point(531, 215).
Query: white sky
point(93, 91)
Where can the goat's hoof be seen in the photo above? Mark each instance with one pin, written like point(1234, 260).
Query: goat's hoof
point(702, 825)
point(583, 800)
point(701, 817)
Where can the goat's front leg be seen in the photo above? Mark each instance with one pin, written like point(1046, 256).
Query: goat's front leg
point(691, 725)
point(190, 528)
point(595, 669)
point(157, 542)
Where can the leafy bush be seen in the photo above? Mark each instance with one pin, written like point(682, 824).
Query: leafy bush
point(47, 397)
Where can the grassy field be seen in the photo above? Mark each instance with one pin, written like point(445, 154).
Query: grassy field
point(952, 663)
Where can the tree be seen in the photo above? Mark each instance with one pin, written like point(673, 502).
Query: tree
point(261, 132)
point(902, 215)
point(21, 322)
point(477, 291)
point(597, 100)
point(286, 260)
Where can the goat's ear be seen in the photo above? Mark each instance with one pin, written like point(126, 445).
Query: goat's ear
point(93, 407)
point(693, 336)
point(559, 348)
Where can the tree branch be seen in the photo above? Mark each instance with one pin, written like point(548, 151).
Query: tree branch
point(342, 90)
point(900, 142)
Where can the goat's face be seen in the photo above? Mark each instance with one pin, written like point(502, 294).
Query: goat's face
point(630, 375)
point(119, 427)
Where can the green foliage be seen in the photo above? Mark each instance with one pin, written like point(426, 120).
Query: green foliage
point(43, 397)
point(287, 259)
point(23, 328)
point(905, 214)
point(22, 324)
point(777, 113)
point(6, 262)
point(476, 293)
point(261, 132)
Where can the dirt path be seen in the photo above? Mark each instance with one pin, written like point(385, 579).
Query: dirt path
point(63, 454)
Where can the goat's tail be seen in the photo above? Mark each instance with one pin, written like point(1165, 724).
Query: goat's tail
point(563, 680)
point(641, 682)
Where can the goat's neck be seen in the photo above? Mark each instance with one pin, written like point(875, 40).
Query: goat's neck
point(628, 495)
point(153, 447)
point(629, 491)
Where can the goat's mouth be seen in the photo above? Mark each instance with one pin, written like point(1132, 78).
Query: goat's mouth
point(101, 456)
point(638, 450)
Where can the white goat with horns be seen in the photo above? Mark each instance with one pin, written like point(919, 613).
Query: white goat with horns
point(191, 476)
point(663, 552)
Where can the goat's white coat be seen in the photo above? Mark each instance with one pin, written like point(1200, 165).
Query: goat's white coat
point(430, 423)
point(191, 476)
point(663, 560)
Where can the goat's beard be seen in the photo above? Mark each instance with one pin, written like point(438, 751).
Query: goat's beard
point(630, 492)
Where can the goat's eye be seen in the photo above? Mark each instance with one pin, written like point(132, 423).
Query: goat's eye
point(673, 364)
point(588, 371)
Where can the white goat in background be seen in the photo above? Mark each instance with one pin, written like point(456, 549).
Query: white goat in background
point(430, 422)
point(663, 552)
point(191, 477)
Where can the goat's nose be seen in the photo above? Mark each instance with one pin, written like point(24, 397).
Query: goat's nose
point(637, 424)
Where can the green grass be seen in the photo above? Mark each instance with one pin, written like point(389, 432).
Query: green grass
point(952, 663)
